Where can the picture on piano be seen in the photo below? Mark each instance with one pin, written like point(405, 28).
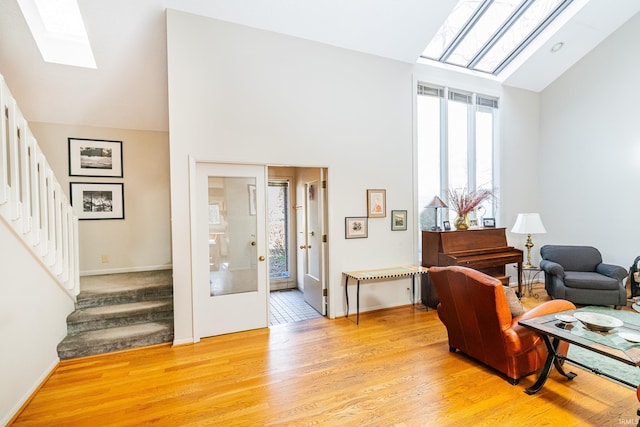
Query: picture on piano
point(489, 222)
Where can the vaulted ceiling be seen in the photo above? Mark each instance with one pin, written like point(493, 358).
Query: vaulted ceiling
point(129, 87)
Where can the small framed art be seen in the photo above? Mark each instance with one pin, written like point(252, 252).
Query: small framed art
point(489, 222)
point(446, 225)
point(376, 203)
point(97, 200)
point(95, 157)
point(398, 220)
point(356, 227)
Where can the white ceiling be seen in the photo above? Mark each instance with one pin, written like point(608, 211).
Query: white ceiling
point(128, 37)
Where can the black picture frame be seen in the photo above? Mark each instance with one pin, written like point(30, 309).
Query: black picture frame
point(446, 225)
point(95, 157)
point(356, 227)
point(489, 222)
point(97, 200)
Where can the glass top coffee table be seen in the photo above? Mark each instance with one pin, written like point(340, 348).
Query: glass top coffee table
point(621, 342)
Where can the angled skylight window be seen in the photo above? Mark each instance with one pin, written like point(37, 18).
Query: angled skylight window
point(59, 31)
point(485, 35)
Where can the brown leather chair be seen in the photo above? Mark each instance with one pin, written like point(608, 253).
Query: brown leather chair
point(474, 309)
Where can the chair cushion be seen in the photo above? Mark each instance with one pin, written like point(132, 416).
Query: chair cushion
point(515, 306)
point(587, 280)
point(572, 258)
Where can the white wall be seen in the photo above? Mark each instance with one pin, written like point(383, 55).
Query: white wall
point(33, 311)
point(142, 241)
point(590, 150)
point(238, 94)
point(519, 159)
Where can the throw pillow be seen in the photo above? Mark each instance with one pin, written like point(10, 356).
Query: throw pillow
point(515, 306)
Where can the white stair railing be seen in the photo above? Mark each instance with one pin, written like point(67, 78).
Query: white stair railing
point(32, 202)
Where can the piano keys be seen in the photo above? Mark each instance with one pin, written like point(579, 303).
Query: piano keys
point(483, 249)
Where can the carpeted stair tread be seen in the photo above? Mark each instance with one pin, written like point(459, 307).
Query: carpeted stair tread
point(120, 310)
point(124, 288)
point(110, 316)
point(115, 339)
point(106, 282)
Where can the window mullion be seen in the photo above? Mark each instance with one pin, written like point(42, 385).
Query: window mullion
point(444, 144)
point(471, 143)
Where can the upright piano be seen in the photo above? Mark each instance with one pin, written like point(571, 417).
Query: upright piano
point(484, 249)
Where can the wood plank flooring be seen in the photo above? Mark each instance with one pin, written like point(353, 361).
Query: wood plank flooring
point(394, 369)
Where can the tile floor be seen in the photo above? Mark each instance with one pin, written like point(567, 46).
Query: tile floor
point(288, 306)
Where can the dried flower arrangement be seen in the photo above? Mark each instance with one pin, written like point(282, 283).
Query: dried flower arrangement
point(463, 202)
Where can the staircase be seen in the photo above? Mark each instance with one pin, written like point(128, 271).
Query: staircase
point(119, 311)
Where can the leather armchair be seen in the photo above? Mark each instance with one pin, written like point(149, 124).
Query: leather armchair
point(577, 274)
point(474, 309)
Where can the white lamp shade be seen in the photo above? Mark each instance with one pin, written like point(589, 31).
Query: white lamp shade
point(528, 223)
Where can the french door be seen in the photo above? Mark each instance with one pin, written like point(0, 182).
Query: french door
point(230, 270)
point(314, 246)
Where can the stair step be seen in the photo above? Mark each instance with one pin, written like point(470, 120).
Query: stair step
point(123, 288)
point(115, 339)
point(110, 316)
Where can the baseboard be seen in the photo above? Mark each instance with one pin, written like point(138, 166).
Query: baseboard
point(24, 401)
point(126, 270)
point(183, 341)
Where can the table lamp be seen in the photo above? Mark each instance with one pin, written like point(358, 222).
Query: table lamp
point(436, 203)
point(528, 223)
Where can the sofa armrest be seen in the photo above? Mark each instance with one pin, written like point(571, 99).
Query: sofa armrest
point(611, 270)
point(553, 306)
point(552, 268)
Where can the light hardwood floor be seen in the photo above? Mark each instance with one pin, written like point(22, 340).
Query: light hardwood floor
point(394, 369)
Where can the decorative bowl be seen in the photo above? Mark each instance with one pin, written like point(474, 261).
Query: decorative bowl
point(597, 322)
point(635, 338)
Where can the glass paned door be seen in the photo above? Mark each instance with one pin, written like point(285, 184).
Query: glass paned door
point(231, 292)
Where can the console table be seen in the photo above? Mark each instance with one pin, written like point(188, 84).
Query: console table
point(379, 274)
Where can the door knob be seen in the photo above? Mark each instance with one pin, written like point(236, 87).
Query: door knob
point(260, 258)
point(253, 243)
point(302, 246)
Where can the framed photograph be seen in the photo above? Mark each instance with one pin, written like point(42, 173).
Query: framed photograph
point(398, 220)
point(446, 225)
point(95, 157)
point(376, 203)
point(489, 222)
point(356, 227)
point(97, 200)
point(252, 198)
point(473, 223)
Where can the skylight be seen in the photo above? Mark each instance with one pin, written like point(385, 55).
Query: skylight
point(486, 35)
point(59, 31)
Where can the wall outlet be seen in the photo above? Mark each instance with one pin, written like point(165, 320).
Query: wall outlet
point(104, 259)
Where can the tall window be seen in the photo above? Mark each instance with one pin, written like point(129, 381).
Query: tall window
point(278, 201)
point(455, 148)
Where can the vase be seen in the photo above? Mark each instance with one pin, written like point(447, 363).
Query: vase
point(462, 222)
